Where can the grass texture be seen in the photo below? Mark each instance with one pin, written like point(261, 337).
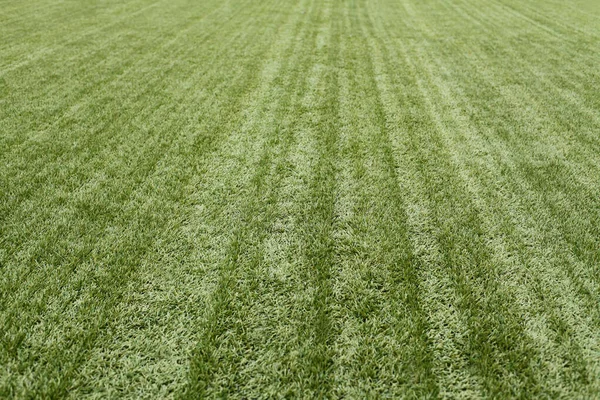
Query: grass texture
point(299, 199)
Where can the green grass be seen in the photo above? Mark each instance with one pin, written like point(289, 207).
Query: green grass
point(299, 199)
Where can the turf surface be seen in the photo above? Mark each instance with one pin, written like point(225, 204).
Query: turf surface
point(303, 198)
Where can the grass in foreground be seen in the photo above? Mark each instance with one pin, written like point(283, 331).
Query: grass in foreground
point(308, 198)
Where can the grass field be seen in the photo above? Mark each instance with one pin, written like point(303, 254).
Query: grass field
point(300, 198)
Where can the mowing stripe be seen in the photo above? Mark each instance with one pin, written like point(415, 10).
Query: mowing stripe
point(482, 350)
point(212, 372)
point(386, 335)
point(576, 373)
point(446, 327)
point(496, 344)
point(223, 165)
point(317, 221)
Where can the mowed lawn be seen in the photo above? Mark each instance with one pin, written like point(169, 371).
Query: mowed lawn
point(299, 199)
